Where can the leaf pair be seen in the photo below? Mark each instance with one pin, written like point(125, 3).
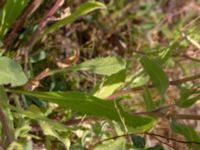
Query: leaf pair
point(13, 74)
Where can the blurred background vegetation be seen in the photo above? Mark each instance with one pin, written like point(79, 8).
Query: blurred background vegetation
point(126, 29)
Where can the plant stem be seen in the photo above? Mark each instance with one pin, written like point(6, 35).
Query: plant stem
point(20, 22)
point(146, 133)
point(6, 129)
point(38, 30)
point(6, 121)
point(140, 88)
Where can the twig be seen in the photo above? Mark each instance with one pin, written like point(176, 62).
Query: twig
point(172, 139)
point(159, 112)
point(191, 58)
point(1, 146)
point(184, 116)
point(135, 89)
point(166, 143)
point(146, 133)
point(2, 2)
point(122, 120)
point(190, 40)
point(6, 129)
point(44, 22)
point(32, 84)
point(190, 23)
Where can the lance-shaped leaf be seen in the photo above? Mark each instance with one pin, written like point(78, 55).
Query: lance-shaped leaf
point(92, 106)
point(103, 66)
point(11, 72)
point(188, 96)
point(188, 132)
point(156, 73)
point(148, 100)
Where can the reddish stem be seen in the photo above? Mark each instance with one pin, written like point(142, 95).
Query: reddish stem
point(20, 22)
point(38, 30)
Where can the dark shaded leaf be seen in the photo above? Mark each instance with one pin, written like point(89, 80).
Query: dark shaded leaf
point(156, 73)
point(138, 141)
point(148, 100)
point(157, 147)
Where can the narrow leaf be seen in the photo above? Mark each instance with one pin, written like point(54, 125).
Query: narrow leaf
point(185, 94)
point(156, 73)
point(188, 132)
point(148, 100)
point(92, 106)
point(188, 102)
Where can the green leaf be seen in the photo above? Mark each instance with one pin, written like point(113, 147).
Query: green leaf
point(22, 144)
point(148, 100)
point(188, 102)
point(188, 132)
point(39, 56)
point(23, 130)
point(119, 144)
point(140, 80)
point(185, 92)
point(185, 101)
point(138, 141)
point(110, 85)
point(11, 72)
point(103, 66)
point(35, 113)
point(157, 75)
point(49, 127)
point(8, 15)
point(165, 55)
point(82, 10)
point(92, 106)
point(157, 147)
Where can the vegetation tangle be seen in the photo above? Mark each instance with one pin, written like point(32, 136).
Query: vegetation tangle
point(99, 75)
